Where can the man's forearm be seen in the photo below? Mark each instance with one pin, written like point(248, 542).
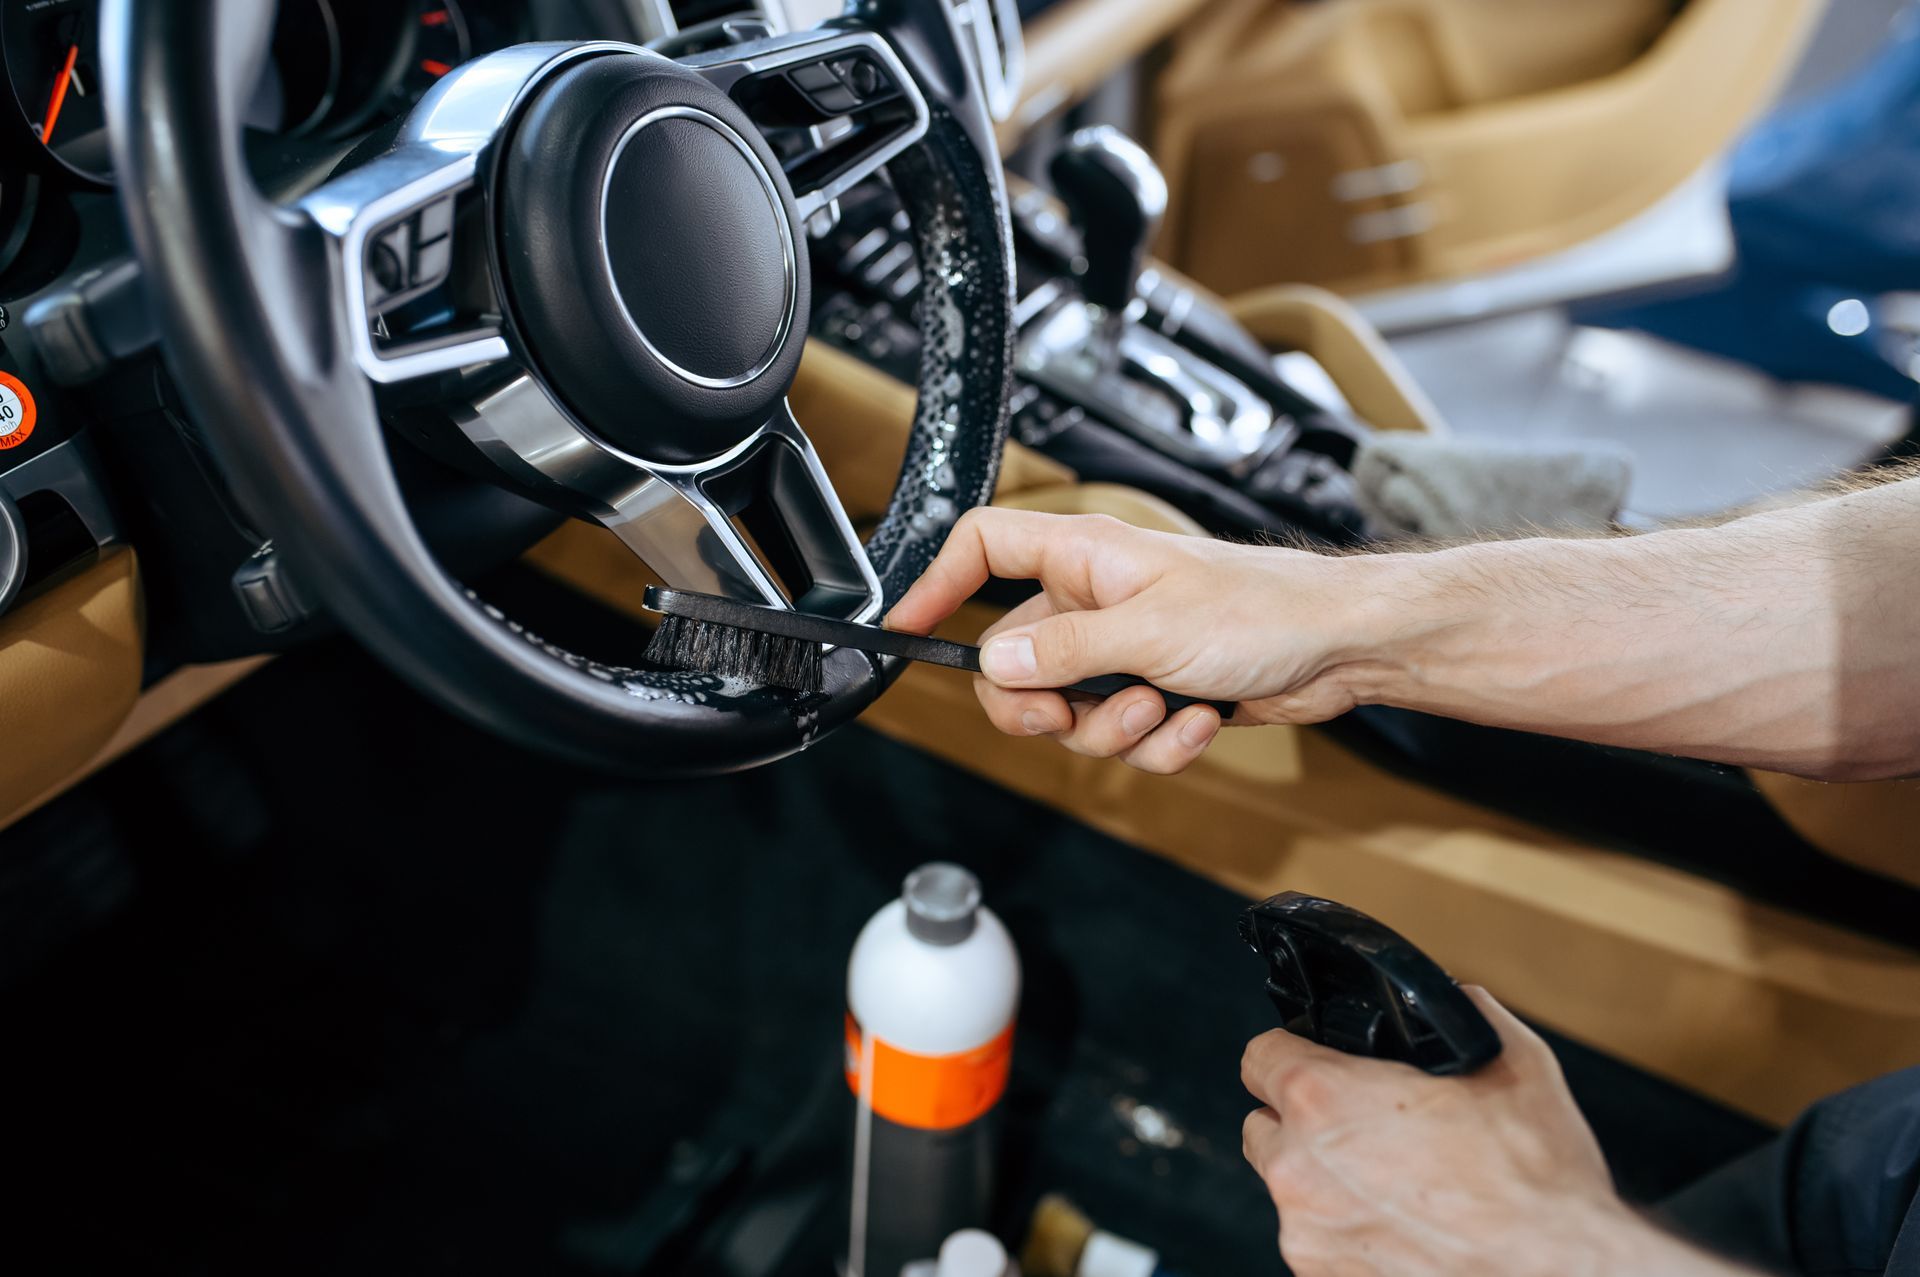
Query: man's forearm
point(1639, 1249)
point(1784, 640)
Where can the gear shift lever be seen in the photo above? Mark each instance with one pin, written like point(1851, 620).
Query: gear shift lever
point(1116, 196)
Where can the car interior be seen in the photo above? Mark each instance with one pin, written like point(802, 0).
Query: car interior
point(369, 901)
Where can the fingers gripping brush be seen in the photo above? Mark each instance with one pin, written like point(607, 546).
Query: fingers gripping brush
point(781, 648)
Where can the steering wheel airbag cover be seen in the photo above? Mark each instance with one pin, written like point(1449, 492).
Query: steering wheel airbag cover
point(652, 257)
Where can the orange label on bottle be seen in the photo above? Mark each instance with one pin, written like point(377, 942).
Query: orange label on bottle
point(932, 1092)
point(16, 411)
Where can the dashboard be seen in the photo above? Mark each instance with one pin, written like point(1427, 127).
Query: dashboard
point(73, 441)
point(86, 407)
point(337, 68)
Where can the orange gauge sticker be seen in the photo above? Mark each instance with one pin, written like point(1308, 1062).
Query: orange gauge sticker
point(16, 411)
point(932, 1092)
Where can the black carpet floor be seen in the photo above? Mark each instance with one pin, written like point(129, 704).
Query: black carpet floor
point(322, 981)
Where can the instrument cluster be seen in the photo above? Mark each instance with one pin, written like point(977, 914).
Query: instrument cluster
point(336, 68)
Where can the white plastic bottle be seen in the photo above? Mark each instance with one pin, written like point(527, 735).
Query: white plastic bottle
point(931, 993)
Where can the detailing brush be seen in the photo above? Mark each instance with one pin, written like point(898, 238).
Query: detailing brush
point(781, 648)
point(727, 650)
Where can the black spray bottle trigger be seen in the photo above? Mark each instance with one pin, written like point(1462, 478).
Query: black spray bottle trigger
point(1341, 979)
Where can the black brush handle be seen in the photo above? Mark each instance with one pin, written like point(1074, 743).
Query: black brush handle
point(1108, 684)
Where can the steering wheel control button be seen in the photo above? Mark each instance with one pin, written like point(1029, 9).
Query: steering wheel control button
point(843, 84)
point(410, 258)
point(17, 412)
point(436, 221)
point(836, 99)
point(387, 265)
point(865, 78)
point(655, 270)
point(813, 77)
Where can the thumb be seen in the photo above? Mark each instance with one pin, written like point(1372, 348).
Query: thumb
point(1520, 1046)
point(1062, 649)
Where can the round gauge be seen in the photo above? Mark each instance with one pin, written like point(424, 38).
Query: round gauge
point(442, 42)
point(53, 63)
point(300, 85)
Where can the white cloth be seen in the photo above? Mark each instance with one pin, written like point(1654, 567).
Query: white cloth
point(1415, 485)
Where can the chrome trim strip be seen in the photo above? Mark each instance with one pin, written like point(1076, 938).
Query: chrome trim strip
point(661, 512)
point(1222, 423)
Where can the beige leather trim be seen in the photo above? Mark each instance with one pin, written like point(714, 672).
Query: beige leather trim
point(859, 419)
point(1369, 374)
point(1077, 45)
point(1871, 825)
point(69, 673)
point(1368, 144)
point(159, 707)
point(1141, 509)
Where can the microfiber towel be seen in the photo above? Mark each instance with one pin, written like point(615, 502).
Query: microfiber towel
point(1414, 485)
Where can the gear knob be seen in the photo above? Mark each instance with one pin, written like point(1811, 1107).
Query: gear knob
point(1116, 195)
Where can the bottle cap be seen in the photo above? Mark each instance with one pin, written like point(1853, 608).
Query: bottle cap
point(942, 900)
point(972, 1253)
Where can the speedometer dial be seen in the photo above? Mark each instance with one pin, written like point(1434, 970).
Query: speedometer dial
point(52, 64)
point(442, 42)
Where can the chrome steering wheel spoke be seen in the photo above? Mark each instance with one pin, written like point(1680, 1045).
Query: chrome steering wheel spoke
point(771, 506)
point(835, 106)
point(407, 229)
point(761, 522)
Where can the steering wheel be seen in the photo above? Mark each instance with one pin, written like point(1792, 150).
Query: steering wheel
point(593, 261)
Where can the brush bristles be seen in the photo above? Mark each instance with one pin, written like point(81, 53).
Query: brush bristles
point(710, 648)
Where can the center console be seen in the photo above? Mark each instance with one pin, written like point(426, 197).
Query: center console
point(1126, 372)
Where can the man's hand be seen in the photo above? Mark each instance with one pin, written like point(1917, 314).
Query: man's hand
point(1201, 617)
point(1379, 1169)
point(1783, 640)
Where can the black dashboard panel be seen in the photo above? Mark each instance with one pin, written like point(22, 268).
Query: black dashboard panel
point(337, 69)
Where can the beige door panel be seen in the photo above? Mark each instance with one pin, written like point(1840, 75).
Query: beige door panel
point(1474, 134)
